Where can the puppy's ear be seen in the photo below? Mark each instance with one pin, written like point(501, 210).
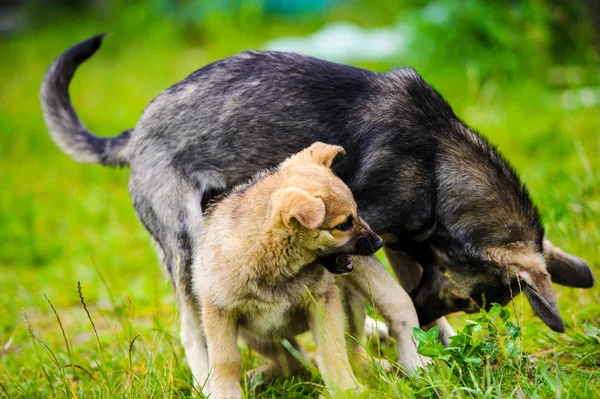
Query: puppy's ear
point(567, 269)
point(319, 153)
point(296, 205)
point(535, 280)
point(325, 154)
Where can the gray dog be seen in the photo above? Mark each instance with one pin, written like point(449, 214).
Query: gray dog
point(446, 203)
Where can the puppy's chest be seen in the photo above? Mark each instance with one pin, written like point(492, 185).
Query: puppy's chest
point(274, 322)
point(272, 308)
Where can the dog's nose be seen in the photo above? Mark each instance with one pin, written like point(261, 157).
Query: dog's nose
point(378, 243)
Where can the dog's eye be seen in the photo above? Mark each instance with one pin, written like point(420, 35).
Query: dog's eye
point(462, 303)
point(347, 225)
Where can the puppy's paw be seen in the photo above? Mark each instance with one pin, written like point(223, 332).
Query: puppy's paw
point(201, 390)
point(226, 391)
point(385, 364)
point(233, 394)
point(356, 391)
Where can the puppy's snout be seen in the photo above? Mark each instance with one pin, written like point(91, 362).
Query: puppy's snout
point(378, 243)
point(367, 245)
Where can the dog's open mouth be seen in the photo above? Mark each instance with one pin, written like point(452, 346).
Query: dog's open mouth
point(337, 263)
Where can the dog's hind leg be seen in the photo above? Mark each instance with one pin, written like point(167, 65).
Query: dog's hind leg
point(377, 328)
point(409, 273)
point(194, 343)
point(170, 210)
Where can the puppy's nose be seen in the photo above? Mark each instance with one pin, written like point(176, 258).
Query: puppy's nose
point(378, 243)
point(367, 245)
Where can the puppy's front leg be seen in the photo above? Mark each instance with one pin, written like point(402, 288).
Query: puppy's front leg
point(326, 321)
point(390, 299)
point(223, 353)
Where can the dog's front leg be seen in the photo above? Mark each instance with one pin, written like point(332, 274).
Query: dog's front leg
point(224, 355)
point(390, 299)
point(446, 330)
point(326, 321)
point(408, 272)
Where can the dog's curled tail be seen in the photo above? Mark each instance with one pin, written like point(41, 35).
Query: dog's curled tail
point(65, 128)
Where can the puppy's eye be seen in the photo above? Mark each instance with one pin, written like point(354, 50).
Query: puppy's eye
point(347, 225)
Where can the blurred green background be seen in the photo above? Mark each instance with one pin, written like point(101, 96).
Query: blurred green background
point(526, 74)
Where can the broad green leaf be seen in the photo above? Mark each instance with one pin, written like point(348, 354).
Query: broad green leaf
point(420, 335)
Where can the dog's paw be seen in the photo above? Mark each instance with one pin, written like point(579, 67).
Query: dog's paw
point(410, 364)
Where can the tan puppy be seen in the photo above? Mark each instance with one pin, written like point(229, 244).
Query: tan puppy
point(262, 271)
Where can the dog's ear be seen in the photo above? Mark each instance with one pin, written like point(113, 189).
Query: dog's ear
point(539, 293)
point(294, 204)
point(319, 153)
point(567, 269)
point(535, 280)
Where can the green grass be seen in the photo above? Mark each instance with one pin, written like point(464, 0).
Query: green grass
point(62, 223)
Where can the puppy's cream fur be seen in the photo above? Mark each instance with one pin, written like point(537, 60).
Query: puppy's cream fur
point(260, 278)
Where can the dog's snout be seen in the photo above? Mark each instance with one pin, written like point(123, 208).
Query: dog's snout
point(367, 245)
point(378, 243)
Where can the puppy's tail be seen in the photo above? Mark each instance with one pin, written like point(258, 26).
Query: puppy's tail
point(65, 128)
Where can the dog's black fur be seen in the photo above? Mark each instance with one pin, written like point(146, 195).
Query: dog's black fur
point(424, 181)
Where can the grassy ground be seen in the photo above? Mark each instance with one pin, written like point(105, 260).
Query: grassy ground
point(62, 223)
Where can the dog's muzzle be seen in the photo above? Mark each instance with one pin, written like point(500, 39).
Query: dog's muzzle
point(367, 245)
